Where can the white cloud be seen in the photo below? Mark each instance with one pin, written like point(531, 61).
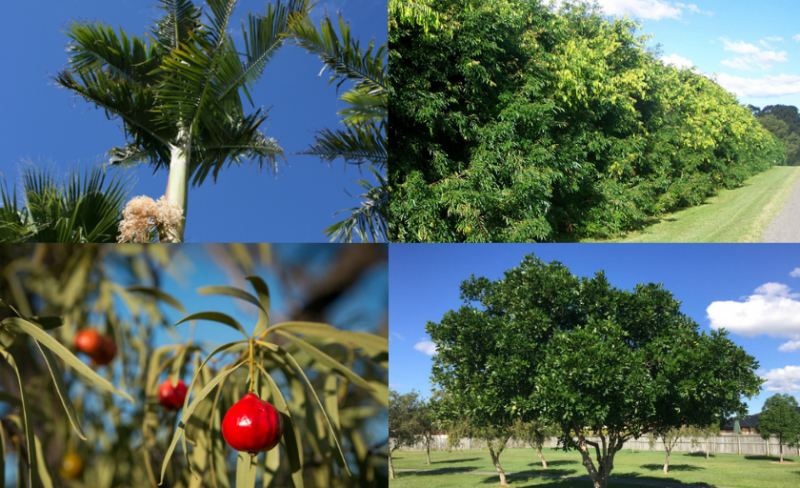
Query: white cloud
point(751, 56)
point(772, 310)
point(645, 9)
point(775, 39)
point(399, 336)
point(426, 347)
point(796, 38)
point(795, 273)
point(677, 61)
point(789, 346)
point(766, 87)
point(395, 386)
point(784, 380)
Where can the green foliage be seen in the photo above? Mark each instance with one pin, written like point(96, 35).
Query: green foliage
point(784, 123)
point(404, 427)
point(76, 209)
point(779, 417)
point(514, 123)
point(363, 140)
point(328, 384)
point(579, 354)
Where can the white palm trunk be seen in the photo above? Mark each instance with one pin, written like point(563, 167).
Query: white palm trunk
point(177, 186)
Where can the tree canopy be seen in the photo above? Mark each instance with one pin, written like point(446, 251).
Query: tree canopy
point(515, 123)
point(783, 121)
point(579, 354)
point(780, 417)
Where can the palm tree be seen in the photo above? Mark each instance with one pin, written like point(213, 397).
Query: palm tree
point(363, 139)
point(179, 95)
point(71, 211)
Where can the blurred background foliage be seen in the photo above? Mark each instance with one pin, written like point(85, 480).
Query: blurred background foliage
point(95, 286)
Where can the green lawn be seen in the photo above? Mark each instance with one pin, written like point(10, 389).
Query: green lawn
point(739, 215)
point(726, 470)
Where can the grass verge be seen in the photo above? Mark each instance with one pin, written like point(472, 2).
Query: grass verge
point(727, 470)
point(739, 215)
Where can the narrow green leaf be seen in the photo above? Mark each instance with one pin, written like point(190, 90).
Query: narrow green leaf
point(44, 472)
point(231, 292)
point(215, 317)
point(270, 465)
point(243, 470)
point(177, 366)
point(160, 295)
point(252, 472)
point(189, 410)
point(361, 339)
point(3, 441)
point(334, 432)
point(262, 290)
point(64, 354)
point(328, 361)
point(294, 450)
point(61, 388)
point(33, 469)
point(47, 323)
point(218, 464)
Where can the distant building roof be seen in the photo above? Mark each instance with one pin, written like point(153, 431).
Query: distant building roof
point(750, 421)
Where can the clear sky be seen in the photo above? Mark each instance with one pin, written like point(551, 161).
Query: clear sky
point(753, 47)
point(746, 288)
point(40, 122)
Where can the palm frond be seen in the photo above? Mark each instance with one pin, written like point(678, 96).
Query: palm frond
point(181, 18)
point(344, 57)
point(95, 45)
point(74, 210)
point(355, 144)
point(262, 38)
point(364, 108)
point(368, 221)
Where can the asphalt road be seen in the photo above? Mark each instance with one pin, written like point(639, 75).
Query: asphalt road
point(786, 226)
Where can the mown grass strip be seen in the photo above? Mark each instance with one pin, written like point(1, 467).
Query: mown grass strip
point(739, 215)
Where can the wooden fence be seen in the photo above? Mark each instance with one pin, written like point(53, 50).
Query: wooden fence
point(744, 444)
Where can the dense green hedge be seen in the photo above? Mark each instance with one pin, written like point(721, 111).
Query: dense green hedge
point(512, 123)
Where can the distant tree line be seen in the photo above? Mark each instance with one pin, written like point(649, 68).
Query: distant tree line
point(512, 122)
point(784, 122)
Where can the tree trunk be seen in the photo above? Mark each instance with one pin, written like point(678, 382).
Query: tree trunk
point(496, 461)
point(541, 456)
point(666, 463)
point(706, 448)
point(391, 466)
point(428, 448)
point(781, 452)
point(178, 187)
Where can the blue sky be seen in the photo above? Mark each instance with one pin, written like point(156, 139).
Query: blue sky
point(752, 48)
point(40, 122)
point(745, 288)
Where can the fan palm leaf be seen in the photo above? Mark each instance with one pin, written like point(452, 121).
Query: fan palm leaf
point(76, 209)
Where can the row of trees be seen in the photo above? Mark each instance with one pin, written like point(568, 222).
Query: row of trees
point(512, 122)
point(180, 96)
point(784, 122)
point(600, 364)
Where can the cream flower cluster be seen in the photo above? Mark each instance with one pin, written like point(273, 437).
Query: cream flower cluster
point(142, 214)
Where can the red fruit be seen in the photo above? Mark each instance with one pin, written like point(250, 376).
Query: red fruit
point(88, 341)
point(172, 397)
point(106, 352)
point(252, 425)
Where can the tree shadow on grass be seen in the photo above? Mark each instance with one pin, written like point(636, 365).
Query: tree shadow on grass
point(524, 476)
point(437, 471)
point(455, 461)
point(672, 467)
point(771, 458)
point(558, 462)
point(700, 454)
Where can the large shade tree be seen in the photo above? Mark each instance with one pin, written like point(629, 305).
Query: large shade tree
point(179, 95)
point(604, 365)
